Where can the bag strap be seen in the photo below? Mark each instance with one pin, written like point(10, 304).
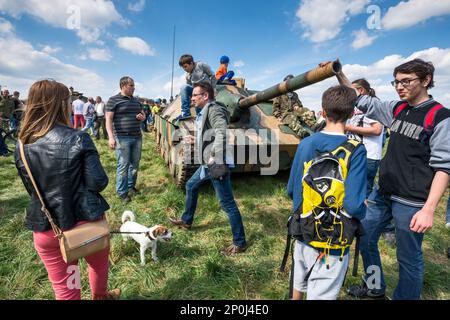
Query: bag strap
point(356, 258)
point(286, 253)
point(55, 228)
point(428, 123)
point(400, 108)
point(348, 147)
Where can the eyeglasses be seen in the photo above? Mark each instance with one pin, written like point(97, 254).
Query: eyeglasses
point(404, 82)
point(198, 94)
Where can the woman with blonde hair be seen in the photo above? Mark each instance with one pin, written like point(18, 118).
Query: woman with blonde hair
point(69, 175)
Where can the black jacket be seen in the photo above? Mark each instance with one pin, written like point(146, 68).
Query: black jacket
point(407, 170)
point(67, 170)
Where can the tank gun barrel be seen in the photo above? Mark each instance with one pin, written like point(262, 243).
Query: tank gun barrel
point(310, 77)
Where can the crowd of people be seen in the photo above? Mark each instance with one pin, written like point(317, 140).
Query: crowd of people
point(11, 108)
point(413, 175)
point(88, 113)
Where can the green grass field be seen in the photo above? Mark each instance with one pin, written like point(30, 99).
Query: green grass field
point(190, 266)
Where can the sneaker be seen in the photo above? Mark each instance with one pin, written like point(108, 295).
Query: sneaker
point(447, 225)
point(125, 198)
point(133, 191)
point(180, 223)
point(232, 250)
point(110, 295)
point(228, 81)
point(362, 292)
point(182, 117)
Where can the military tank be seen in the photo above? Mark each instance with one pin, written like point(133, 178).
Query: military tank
point(254, 135)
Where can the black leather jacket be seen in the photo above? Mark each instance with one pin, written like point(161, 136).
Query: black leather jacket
point(66, 167)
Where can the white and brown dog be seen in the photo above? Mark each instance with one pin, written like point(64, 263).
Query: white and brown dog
point(146, 237)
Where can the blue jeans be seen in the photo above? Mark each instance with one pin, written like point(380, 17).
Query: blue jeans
point(144, 124)
point(229, 75)
point(3, 146)
point(89, 125)
point(128, 153)
point(13, 123)
point(380, 211)
point(186, 95)
point(150, 119)
point(372, 169)
point(225, 195)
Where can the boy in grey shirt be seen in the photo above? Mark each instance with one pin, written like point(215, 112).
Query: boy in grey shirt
point(195, 72)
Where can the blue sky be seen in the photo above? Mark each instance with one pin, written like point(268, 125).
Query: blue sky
point(90, 44)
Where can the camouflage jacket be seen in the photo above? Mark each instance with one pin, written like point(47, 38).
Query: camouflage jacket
point(285, 104)
point(6, 107)
point(301, 115)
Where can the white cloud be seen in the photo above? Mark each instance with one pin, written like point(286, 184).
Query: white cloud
point(21, 65)
point(137, 6)
point(362, 39)
point(94, 15)
point(99, 54)
point(5, 26)
point(409, 13)
point(239, 64)
point(89, 35)
point(50, 50)
point(324, 19)
point(158, 86)
point(379, 74)
point(178, 82)
point(135, 45)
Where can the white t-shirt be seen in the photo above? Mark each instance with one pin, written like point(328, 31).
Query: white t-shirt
point(100, 109)
point(78, 106)
point(373, 144)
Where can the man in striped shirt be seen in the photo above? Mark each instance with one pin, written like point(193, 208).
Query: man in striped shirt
point(123, 123)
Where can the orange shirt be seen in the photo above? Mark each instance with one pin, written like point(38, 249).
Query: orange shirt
point(222, 70)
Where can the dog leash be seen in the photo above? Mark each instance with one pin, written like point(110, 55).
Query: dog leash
point(148, 233)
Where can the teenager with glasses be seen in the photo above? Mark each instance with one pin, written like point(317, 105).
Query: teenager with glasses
point(414, 175)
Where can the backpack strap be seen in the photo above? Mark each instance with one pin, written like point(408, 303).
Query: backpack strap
point(400, 108)
point(356, 258)
point(348, 147)
point(428, 122)
point(286, 253)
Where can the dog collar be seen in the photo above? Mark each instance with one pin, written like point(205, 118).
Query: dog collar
point(150, 235)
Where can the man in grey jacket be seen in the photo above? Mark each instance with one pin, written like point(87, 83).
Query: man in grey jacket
point(211, 125)
point(195, 72)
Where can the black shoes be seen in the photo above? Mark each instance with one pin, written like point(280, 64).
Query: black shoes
point(133, 191)
point(362, 292)
point(232, 250)
point(125, 198)
point(179, 223)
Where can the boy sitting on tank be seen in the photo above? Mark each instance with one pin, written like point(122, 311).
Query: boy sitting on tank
point(223, 76)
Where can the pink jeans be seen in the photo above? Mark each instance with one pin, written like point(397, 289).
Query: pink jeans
point(78, 118)
point(62, 276)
